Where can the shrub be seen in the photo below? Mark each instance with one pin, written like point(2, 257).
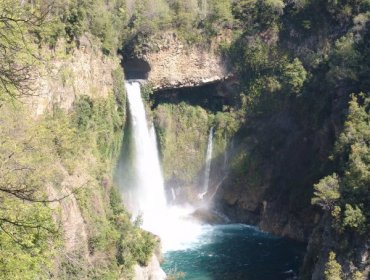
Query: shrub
point(333, 270)
point(353, 218)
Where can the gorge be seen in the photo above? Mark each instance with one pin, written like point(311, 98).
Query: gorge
point(196, 251)
point(212, 139)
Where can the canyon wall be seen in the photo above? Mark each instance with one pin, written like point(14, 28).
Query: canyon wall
point(256, 162)
point(72, 85)
point(172, 63)
point(65, 76)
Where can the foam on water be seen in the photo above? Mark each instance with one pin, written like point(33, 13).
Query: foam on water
point(237, 252)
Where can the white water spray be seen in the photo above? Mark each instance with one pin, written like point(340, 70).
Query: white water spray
point(173, 194)
point(226, 159)
point(172, 224)
point(149, 192)
point(208, 164)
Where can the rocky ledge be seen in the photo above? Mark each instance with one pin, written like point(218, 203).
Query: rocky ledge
point(171, 63)
point(152, 271)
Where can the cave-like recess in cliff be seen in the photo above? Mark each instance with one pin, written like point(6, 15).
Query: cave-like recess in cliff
point(211, 96)
point(135, 68)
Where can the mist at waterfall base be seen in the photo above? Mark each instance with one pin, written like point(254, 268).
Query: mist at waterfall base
point(144, 192)
point(202, 252)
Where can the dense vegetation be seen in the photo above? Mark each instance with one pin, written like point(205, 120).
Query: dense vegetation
point(286, 51)
point(56, 170)
point(48, 161)
point(183, 130)
point(303, 68)
point(115, 23)
point(302, 108)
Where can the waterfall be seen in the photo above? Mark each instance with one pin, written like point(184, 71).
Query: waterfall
point(226, 159)
point(207, 170)
point(173, 194)
point(147, 194)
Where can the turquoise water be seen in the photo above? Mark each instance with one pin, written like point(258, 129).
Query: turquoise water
point(233, 252)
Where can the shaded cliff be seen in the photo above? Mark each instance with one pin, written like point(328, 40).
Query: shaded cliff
point(295, 66)
point(288, 121)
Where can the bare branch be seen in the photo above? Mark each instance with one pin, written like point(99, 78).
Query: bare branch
point(25, 193)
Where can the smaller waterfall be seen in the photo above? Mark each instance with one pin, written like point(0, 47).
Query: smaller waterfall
point(173, 194)
point(208, 164)
point(208, 160)
point(218, 186)
point(226, 159)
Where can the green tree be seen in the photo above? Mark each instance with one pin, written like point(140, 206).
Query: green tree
point(245, 11)
point(327, 192)
point(220, 11)
point(294, 76)
point(148, 16)
point(28, 234)
point(258, 15)
point(185, 17)
point(353, 151)
point(357, 275)
point(333, 270)
point(348, 196)
point(277, 6)
point(345, 61)
point(17, 54)
point(353, 218)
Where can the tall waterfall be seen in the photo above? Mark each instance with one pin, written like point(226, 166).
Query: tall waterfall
point(147, 195)
point(207, 170)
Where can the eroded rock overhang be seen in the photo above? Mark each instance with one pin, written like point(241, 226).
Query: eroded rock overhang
point(170, 63)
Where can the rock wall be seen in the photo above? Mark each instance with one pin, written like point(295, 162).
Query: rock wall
point(174, 64)
point(352, 252)
point(270, 186)
point(152, 271)
point(59, 81)
point(63, 77)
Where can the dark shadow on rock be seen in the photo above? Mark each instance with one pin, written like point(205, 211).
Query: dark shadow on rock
point(211, 96)
point(135, 69)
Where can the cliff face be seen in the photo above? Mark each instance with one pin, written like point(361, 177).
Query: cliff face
point(282, 159)
point(262, 175)
point(262, 190)
point(90, 237)
point(352, 252)
point(152, 271)
point(266, 191)
point(173, 64)
point(64, 77)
